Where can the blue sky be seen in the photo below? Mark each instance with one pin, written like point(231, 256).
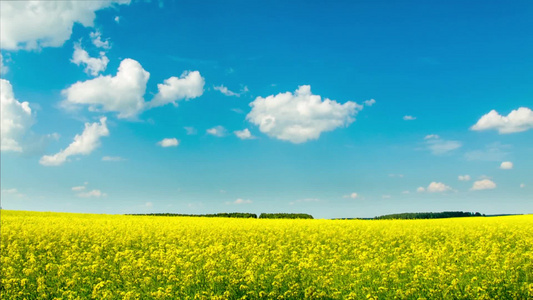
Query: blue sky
point(346, 109)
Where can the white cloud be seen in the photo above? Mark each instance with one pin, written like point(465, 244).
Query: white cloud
point(149, 204)
point(464, 177)
point(78, 188)
point(169, 142)
point(352, 195)
point(240, 201)
point(96, 38)
point(370, 102)
point(438, 146)
point(237, 110)
point(431, 136)
point(386, 196)
point(485, 184)
point(92, 194)
point(506, 165)
point(3, 67)
point(190, 130)
point(83, 144)
point(93, 65)
point(522, 185)
point(224, 90)
point(244, 134)
point(122, 93)
point(36, 24)
point(117, 19)
point(190, 85)
point(406, 192)
point(218, 131)
point(16, 118)
point(112, 158)
point(409, 118)
point(517, 120)
point(301, 116)
point(435, 187)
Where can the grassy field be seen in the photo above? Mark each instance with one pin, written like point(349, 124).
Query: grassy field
point(80, 256)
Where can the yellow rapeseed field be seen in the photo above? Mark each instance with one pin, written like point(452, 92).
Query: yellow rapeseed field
point(82, 256)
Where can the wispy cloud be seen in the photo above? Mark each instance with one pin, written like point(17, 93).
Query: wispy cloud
point(224, 90)
point(240, 201)
point(492, 152)
point(439, 146)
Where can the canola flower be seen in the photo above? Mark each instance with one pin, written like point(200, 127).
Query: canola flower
point(83, 256)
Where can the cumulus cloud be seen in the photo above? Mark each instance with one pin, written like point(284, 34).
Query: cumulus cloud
point(435, 187)
point(224, 90)
point(96, 38)
point(78, 188)
point(190, 85)
point(518, 120)
point(117, 19)
point(92, 194)
point(301, 116)
point(93, 65)
point(484, 184)
point(464, 177)
point(35, 24)
point(16, 118)
point(122, 93)
point(218, 131)
point(409, 118)
point(439, 146)
point(506, 165)
point(83, 144)
point(169, 142)
point(244, 134)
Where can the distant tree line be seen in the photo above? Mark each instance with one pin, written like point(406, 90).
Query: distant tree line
point(233, 215)
point(431, 215)
point(285, 216)
point(219, 215)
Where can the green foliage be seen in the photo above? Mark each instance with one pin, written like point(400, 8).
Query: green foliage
point(430, 215)
point(284, 216)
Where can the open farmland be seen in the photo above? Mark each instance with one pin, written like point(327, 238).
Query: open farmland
point(70, 256)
